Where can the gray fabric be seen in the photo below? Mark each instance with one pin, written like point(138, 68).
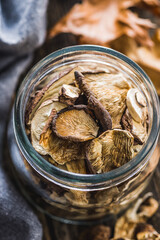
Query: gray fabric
point(22, 29)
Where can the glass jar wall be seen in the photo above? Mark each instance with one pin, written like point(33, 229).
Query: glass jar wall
point(75, 197)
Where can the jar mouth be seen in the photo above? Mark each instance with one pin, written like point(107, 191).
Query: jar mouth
point(50, 171)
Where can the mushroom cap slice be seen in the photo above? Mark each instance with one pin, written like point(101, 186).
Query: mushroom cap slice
point(136, 103)
point(68, 94)
point(60, 150)
point(111, 149)
point(39, 121)
point(75, 124)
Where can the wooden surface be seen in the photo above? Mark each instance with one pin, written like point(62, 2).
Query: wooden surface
point(52, 229)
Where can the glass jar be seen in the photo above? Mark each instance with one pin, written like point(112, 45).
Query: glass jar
point(50, 188)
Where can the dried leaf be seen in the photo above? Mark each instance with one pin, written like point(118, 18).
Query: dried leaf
point(111, 19)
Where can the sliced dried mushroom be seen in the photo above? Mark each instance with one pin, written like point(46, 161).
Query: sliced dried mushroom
point(107, 196)
point(101, 113)
point(39, 122)
point(51, 90)
point(76, 196)
point(61, 150)
point(111, 90)
point(136, 104)
point(138, 130)
point(76, 166)
point(126, 225)
point(68, 94)
point(111, 149)
point(75, 124)
point(145, 231)
point(99, 232)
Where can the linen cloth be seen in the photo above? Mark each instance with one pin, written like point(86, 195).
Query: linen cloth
point(22, 30)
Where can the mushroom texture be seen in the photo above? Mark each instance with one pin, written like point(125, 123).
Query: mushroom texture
point(61, 150)
point(111, 90)
point(111, 149)
point(69, 94)
point(75, 124)
point(39, 122)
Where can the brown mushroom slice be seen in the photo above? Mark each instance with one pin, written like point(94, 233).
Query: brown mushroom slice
point(111, 90)
point(146, 232)
point(136, 105)
point(49, 91)
point(61, 150)
point(138, 129)
point(76, 166)
point(75, 196)
point(39, 121)
point(111, 149)
point(68, 94)
point(126, 225)
point(93, 103)
point(75, 123)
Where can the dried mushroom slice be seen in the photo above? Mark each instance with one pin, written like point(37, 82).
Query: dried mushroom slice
point(136, 104)
point(51, 90)
point(75, 196)
point(126, 225)
point(114, 148)
point(76, 166)
point(68, 94)
point(111, 90)
point(107, 196)
point(39, 122)
point(138, 130)
point(144, 231)
point(61, 150)
point(93, 103)
point(75, 124)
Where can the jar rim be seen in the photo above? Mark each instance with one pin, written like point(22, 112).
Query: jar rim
point(50, 171)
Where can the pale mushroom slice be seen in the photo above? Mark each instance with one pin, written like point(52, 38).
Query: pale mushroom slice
point(61, 150)
point(111, 149)
point(136, 105)
point(75, 124)
point(146, 232)
point(143, 209)
point(77, 197)
point(138, 129)
point(111, 90)
point(39, 121)
point(49, 91)
point(69, 94)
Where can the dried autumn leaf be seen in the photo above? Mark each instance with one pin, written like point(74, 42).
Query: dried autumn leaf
point(39, 122)
point(111, 19)
point(75, 124)
point(61, 150)
point(111, 149)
